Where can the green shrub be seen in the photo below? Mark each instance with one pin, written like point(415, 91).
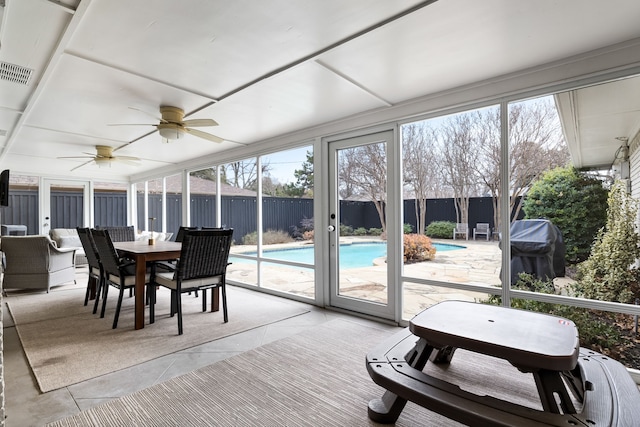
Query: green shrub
point(375, 231)
point(346, 230)
point(418, 248)
point(407, 228)
point(575, 202)
point(360, 231)
point(269, 237)
point(608, 274)
point(441, 229)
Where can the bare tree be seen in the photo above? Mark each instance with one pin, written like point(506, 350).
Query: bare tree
point(536, 144)
point(243, 173)
point(362, 172)
point(459, 142)
point(419, 167)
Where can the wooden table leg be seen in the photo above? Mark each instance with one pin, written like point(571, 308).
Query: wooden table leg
point(141, 269)
point(93, 286)
point(215, 299)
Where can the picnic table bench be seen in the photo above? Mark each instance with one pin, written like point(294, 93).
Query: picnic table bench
point(543, 345)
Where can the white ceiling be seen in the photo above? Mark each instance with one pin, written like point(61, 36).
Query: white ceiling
point(268, 68)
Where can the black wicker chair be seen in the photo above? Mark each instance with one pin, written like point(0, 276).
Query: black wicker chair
point(181, 231)
point(118, 272)
point(202, 265)
point(120, 234)
point(95, 267)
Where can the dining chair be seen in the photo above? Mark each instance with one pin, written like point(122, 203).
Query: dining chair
point(120, 233)
point(118, 272)
point(202, 265)
point(182, 230)
point(95, 267)
point(171, 264)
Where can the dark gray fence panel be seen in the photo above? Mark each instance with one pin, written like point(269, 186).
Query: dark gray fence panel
point(67, 209)
point(203, 210)
point(239, 213)
point(359, 214)
point(284, 213)
point(110, 209)
point(174, 213)
point(22, 210)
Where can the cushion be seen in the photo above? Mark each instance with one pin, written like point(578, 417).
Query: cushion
point(69, 242)
point(158, 236)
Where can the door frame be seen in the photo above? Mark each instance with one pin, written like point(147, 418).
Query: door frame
point(44, 225)
point(390, 310)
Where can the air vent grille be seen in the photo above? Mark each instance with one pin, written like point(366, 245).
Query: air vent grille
point(15, 73)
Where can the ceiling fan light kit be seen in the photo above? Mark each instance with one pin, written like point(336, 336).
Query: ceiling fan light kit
point(104, 157)
point(171, 131)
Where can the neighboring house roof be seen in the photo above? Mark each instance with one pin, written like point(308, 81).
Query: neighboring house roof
point(174, 185)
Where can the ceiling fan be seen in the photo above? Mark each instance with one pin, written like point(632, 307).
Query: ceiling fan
point(172, 125)
point(104, 157)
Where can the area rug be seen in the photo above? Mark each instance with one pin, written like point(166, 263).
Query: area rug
point(65, 343)
point(316, 378)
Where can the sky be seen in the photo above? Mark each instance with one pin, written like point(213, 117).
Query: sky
point(283, 164)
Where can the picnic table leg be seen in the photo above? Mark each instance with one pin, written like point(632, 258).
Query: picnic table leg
point(553, 393)
point(387, 409)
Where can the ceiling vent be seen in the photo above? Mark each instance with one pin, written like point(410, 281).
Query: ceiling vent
point(15, 73)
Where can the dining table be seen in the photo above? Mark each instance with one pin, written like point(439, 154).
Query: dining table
point(143, 252)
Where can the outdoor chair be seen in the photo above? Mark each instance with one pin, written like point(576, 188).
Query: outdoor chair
point(34, 262)
point(202, 265)
point(461, 229)
point(118, 272)
point(96, 276)
point(171, 265)
point(120, 234)
point(482, 229)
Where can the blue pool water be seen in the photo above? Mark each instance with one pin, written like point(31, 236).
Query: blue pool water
point(351, 255)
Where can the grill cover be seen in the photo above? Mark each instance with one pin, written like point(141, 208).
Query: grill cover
point(537, 248)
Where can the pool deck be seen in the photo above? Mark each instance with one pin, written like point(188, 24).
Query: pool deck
point(477, 263)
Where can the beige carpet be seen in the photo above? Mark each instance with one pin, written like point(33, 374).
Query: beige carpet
point(65, 343)
point(316, 378)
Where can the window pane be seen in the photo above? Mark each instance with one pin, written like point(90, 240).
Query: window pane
point(202, 187)
point(536, 146)
point(418, 297)
point(174, 204)
point(110, 204)
point(155, 205)
point(451, 181)
point(287, 220)
point(23, 203)
point(239, 198)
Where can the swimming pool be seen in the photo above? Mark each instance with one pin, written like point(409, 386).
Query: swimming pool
point(352, 255)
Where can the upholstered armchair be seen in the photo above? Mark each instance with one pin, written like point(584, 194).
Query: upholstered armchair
point(34, 262)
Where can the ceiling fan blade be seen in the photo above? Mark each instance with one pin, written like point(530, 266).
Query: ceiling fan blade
point(132, 124)
point(128, 161)
point(127, 158)
point(199, 122)
point(75, 157)
point(79, 166)
point(204, 135)
point(160, 119)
